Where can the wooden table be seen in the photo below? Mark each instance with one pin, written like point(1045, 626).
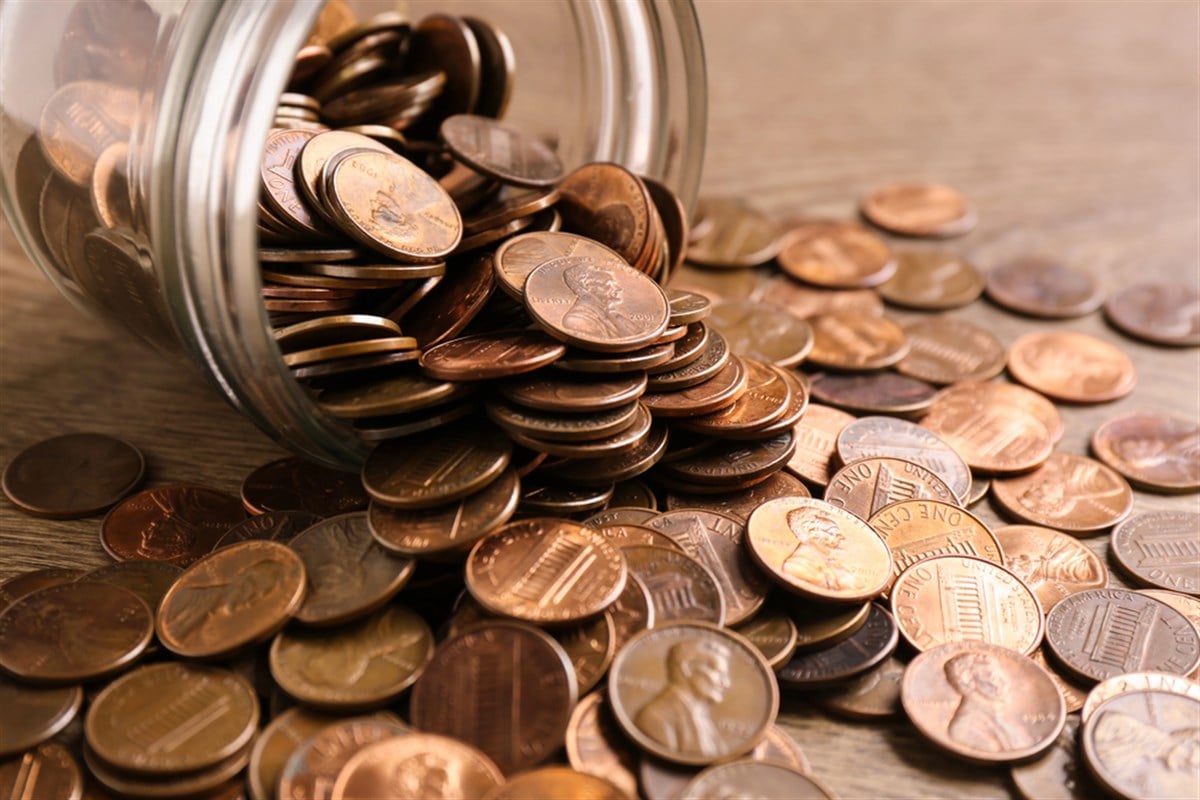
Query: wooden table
point(1073, 127)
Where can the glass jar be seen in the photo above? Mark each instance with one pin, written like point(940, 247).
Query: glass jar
point(144, 208)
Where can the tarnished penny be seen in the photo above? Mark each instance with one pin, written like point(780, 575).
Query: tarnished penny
point(1069, 366)
point(596, 746)
point(505, 688)
point(821, 625)
point(762, 331)
point(836, 255)
point(237, 596)
point(867, 647)
point(1142, 745)
point(1041, 287)
point(398, 393)
point(853, 340)
point(741, 503)
point(919, 209)
point(608, 203)
point(965, 599)
point(566, 394)
point(717, 542)
point(736, 237)
point(1101, 633)
point(177, 523)
point(276, 744)
point(817, 549)
point(520, 255)
point(1160, 549)
point(945, 350)
point(992, 435)
point(277, 526)
point(692, 693)
point(46, 771)
point(74, 632)
point(149, 580)
point(1161, 313)
point(870, 437)
point(873, 392)
point(1058, 774)
point(417, 765)
point(501, 151)
point(865, 486)
point(1072, 691)
point(915, 530)
point(816, 436)
point(312, 769)
point(1137, 682)
point(1155, 451)
point(875, 694)
point(1052, 564)
point(74, 475)
point(33, 714)
point(491, 355)
point(982, 702)
point(137, 722)
point(1068, 492)
point(296, 484)
point(680, 588)
point(27, 583)
point(931, 280)
point(450, 464)
point(765, 779)
point(773, 633)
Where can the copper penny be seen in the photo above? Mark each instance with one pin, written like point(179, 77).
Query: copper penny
point(545, 571)
point(75, 475)
point(490, 355)
point(873, 695)
point(816, 436)
point(453, 303)
point(632, 423)
point(276, 526)
point(1160, 549)
point(740, 504)
point(871, 437)
point(865, 486)
point(836, 255)
point(688, 307)
point(552, 426)
point(814, 548)
point(1185, 604)
point(1068, 492)
point(149, 580)
point(982, 702)
point(632, 611)
point(498, 65)
point(993, 436)
point(853, 340)
point(919, 209)
point(736, 235)
point(1161, 764)
point(417, 765)
point(276, 744)
point(27, 583)
point(765, 779)
point(500, 151)
point(822, 625)
point(604, 471)
point(715, 363)
point(378, 429)
point(873, 393)
point(1057, 774)
point(915, 530)
point(596, 746)
point(1052, 564)
point(453, 463)
point(552, 499)
point(1006, 394)
point(521, 255)
point(768, 395)
point(316, 153)
point(239, 595)
point(348, 573)
point(645, 358)
point(1101, 633)
point(547, 783)
point(1160, 313)
point(763, 331)
point(33, 714)
point(946, 350)
point(873, 642)
point(662, 780)
point(1137, 682)
point(590, 646)
point(1074, 367)
point(717, 542)
point(1073, 693)
point(1041, 287)
point(312, 769)
point(773, 633)
point(804, 302)
point(680, 588)
point(609, 204)
point(280, 188)
point(355, 667)
point(1153, 450)
point(731, 465)
point(692, 693)
point(80, 121)
point(965, 599)
point(137, 722)
point(334, 329)
point(567, 394)
point(619, 514)
point(74, 632)
point(932, 280)
point(178, 524)
point(297, 485)
point(46, 771)
point(503, 687)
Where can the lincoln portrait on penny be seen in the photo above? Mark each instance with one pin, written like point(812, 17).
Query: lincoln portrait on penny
point(982, 720)
point(596, 310)
point(680, 716)
point(815, 557)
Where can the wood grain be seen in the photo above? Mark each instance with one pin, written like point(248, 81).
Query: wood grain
point(1075, 128)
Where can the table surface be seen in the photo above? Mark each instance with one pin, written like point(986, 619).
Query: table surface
point(1074, 127)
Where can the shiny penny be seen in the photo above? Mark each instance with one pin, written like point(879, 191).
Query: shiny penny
point(609, 204)
point(48, 770)
point(313, 767)
point(1137, 682)
point(1160, 313)
point(1041, 287)
point(923, 528)
point(501, 151)
point(1069, 366)
point(596, 746)
point(836, 255)
point(521, 255)
point(807, 301)
point(870, 437)
point(591, 646)
point(276, 744)
point(945, 350)
point(991, 393)
point(417, 765)
point(932, 280)
point(679, 587)
point(1160, 549)
point(816, 436)
point(565, 394)
point(1155, 451)
point(452, 464)
point(919, 209)
point(34, 714)
point(731, 465)
point(873, 392)
point(992, 435)
point(1163, 724)
point(1068, 492)
point(491, 355)
point(75, 475)
point(178, 524)
point(740, 504)
point(856, 341)
point(1054, 565)
point(768, 395)
point(763, 331)
point(874, 641)
point(1072, 690)
point(865, 486)
point(548, 783)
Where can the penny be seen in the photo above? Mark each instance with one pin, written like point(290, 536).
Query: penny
point(1137, 682)
point(452, 464)
point(397, 393)
point(490, 355)
point(355, 667)
point(564, 427)
point(378, 429)
point(679, 587)
point(1101, 633)
point(919, 209)
point(1155, 451)
point(621, 515)
point(736, 236)
point(633, 535)
point(773, 633)
point(239, 595)
point(982, 703)
point(149, 580)
point(1057, 774)
point(280, 189)
point(716, 541)
point(731, 465)
point(767, 780)
point(608, 203)
point(1074, 367)
point(932, 280)
point(965, 599)
point(767, 396)
point(294, 484)
point(505, 688)
point(348, 574)
point(688, 307)
point(316, 153)
point(816, 549)
point(1073, 693)
point(545, 571)
point(276, 526)
point(1160, 549)
point(73, 632)
point(873, 695)
point(276, 744)
point(804, 302)
point(71, 476)
point(979, 489)
point(855, 341)
point(387, 272)
point(554, 499)
point(27, 583)
point(821, 625)
point(994, 437)
point(816, 437)
point(80, 121)
point(567, 394)
point(633, 433)
point(1187, 605)
point(674, 219)
point(944, 350)
point(334, 329)
point(692, 693)
point(1041, 287)
point(762, 331)
point(500, 151)
point(1052, 564)
point(1068, 492)
point(865, 486)
point(135, 723)
point(498, 66)
point(1163, 724)
point(47, 771)
point(632, 611)
point(835, 255)
point(863, 650)
point(710, 365)
point(520, 255)
point(1159, 313)
point(872, 437)
point(873, 393)
point(312, 769)
point(549, 783)
point(1008, 394)
point(915, 530)
point(740, 504)
point(596, 746)
point(417, 765)
point(605, 470)
point(662, 780)
point(590, 646)
point(34, 714)
point(591, 363)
